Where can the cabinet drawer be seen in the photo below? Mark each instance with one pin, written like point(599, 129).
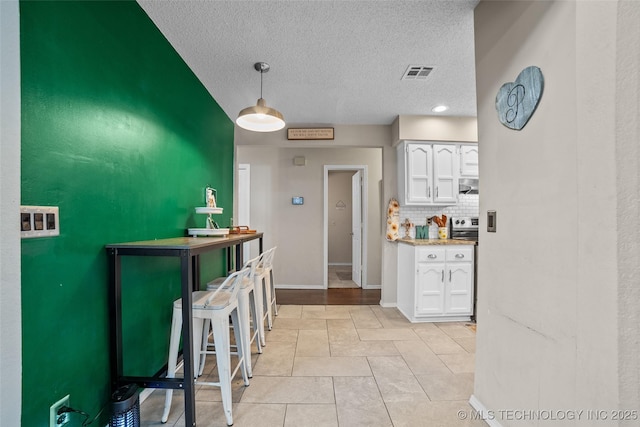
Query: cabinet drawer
point(431, 255)
point(460, 254)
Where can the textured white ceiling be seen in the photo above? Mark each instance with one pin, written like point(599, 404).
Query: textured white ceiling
point(332, 62)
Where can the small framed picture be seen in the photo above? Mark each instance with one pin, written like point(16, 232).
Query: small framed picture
point(297, 200)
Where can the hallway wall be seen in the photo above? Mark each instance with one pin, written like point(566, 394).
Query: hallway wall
point(297, 231)
point(551, 314)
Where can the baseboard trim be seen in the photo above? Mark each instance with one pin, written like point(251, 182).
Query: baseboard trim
point(144, 394)
point(315, 287)
point(388, 304)
point(487, 416)
point(340, 263)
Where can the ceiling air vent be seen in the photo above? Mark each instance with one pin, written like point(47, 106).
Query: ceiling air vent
point(417, 72)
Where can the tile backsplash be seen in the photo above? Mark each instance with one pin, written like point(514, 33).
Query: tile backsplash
point(468, 205)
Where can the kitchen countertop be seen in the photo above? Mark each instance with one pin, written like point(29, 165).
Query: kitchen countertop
point(428, 242)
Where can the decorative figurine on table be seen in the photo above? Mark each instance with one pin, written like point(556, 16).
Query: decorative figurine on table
point(210, 197)
point(407, 226)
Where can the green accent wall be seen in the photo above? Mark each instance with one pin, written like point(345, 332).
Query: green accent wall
point(119, 133)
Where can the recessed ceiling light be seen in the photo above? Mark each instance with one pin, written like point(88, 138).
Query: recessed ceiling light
point(439, 108)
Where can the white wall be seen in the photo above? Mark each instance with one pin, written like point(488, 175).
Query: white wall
point(550, 280)
point(261, 146)
point(628, 200)
point(10, 312)
point(435, 128)
point(298, 231)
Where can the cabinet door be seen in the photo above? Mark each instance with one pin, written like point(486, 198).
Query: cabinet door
point(445, 174)
point(469, 161)
point(458, 288)
point(419, 158)
point(430, 288)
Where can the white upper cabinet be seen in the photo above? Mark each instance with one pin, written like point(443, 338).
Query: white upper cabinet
point(419, 173)
point(445, 174)
point(469, 161)
point(427, 173)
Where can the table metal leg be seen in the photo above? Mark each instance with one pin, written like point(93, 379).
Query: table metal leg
point(115, 317)
point(195, 269)
point(229, 263)
point(239, 256)
point(187, 339)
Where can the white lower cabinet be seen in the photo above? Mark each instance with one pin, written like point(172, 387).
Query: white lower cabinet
point(435, 283)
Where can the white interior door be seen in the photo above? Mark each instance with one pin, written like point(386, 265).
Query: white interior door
point(361, 204)
point(356, 228)
point(244, 204)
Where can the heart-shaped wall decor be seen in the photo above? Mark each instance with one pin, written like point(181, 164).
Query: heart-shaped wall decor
point(517, 101)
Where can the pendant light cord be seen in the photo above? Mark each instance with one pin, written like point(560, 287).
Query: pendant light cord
point(261, 82)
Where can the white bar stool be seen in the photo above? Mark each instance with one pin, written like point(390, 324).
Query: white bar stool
point(264, 274)
point(249, 307)
point(215, 307)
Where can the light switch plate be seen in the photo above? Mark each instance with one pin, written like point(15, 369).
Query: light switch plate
point(39, 221)
point(492, 221)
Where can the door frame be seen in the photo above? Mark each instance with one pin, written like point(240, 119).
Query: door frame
point(365, 214)
point(356, 227)
point(243, 197)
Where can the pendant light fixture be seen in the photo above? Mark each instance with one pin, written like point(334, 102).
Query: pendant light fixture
point(260, 118)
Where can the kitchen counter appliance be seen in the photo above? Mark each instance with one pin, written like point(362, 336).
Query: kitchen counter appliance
point(466, 228)
point(463, 228)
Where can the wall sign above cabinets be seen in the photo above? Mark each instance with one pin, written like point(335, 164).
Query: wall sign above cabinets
point(309, 133)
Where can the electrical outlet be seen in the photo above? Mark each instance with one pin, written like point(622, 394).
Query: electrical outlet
point(55, 419)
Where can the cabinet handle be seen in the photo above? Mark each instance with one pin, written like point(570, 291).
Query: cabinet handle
point(436, 192)
point(443, 275)
point(432, 256)
point(449, 276)
point(459, 256)
point(429, 195)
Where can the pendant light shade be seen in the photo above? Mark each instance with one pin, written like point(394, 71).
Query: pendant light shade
point(260, 118)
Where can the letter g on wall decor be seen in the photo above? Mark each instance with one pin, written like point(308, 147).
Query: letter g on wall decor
point(517, 101)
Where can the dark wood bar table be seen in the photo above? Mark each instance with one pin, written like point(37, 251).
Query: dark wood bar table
point(188, 249)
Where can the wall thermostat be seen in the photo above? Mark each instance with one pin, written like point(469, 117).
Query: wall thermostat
point(298, 200)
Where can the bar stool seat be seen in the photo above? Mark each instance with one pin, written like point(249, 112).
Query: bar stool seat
point(215, 308)
point(249, 306)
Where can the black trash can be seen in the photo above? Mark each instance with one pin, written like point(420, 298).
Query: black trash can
point(125, 407)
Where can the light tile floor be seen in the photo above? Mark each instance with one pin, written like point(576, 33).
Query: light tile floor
point(344, 366)
point(339, 276)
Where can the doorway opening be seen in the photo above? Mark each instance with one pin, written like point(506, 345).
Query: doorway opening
point(345, 219)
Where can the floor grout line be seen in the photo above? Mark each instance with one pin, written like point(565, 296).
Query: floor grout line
point(386, 320)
